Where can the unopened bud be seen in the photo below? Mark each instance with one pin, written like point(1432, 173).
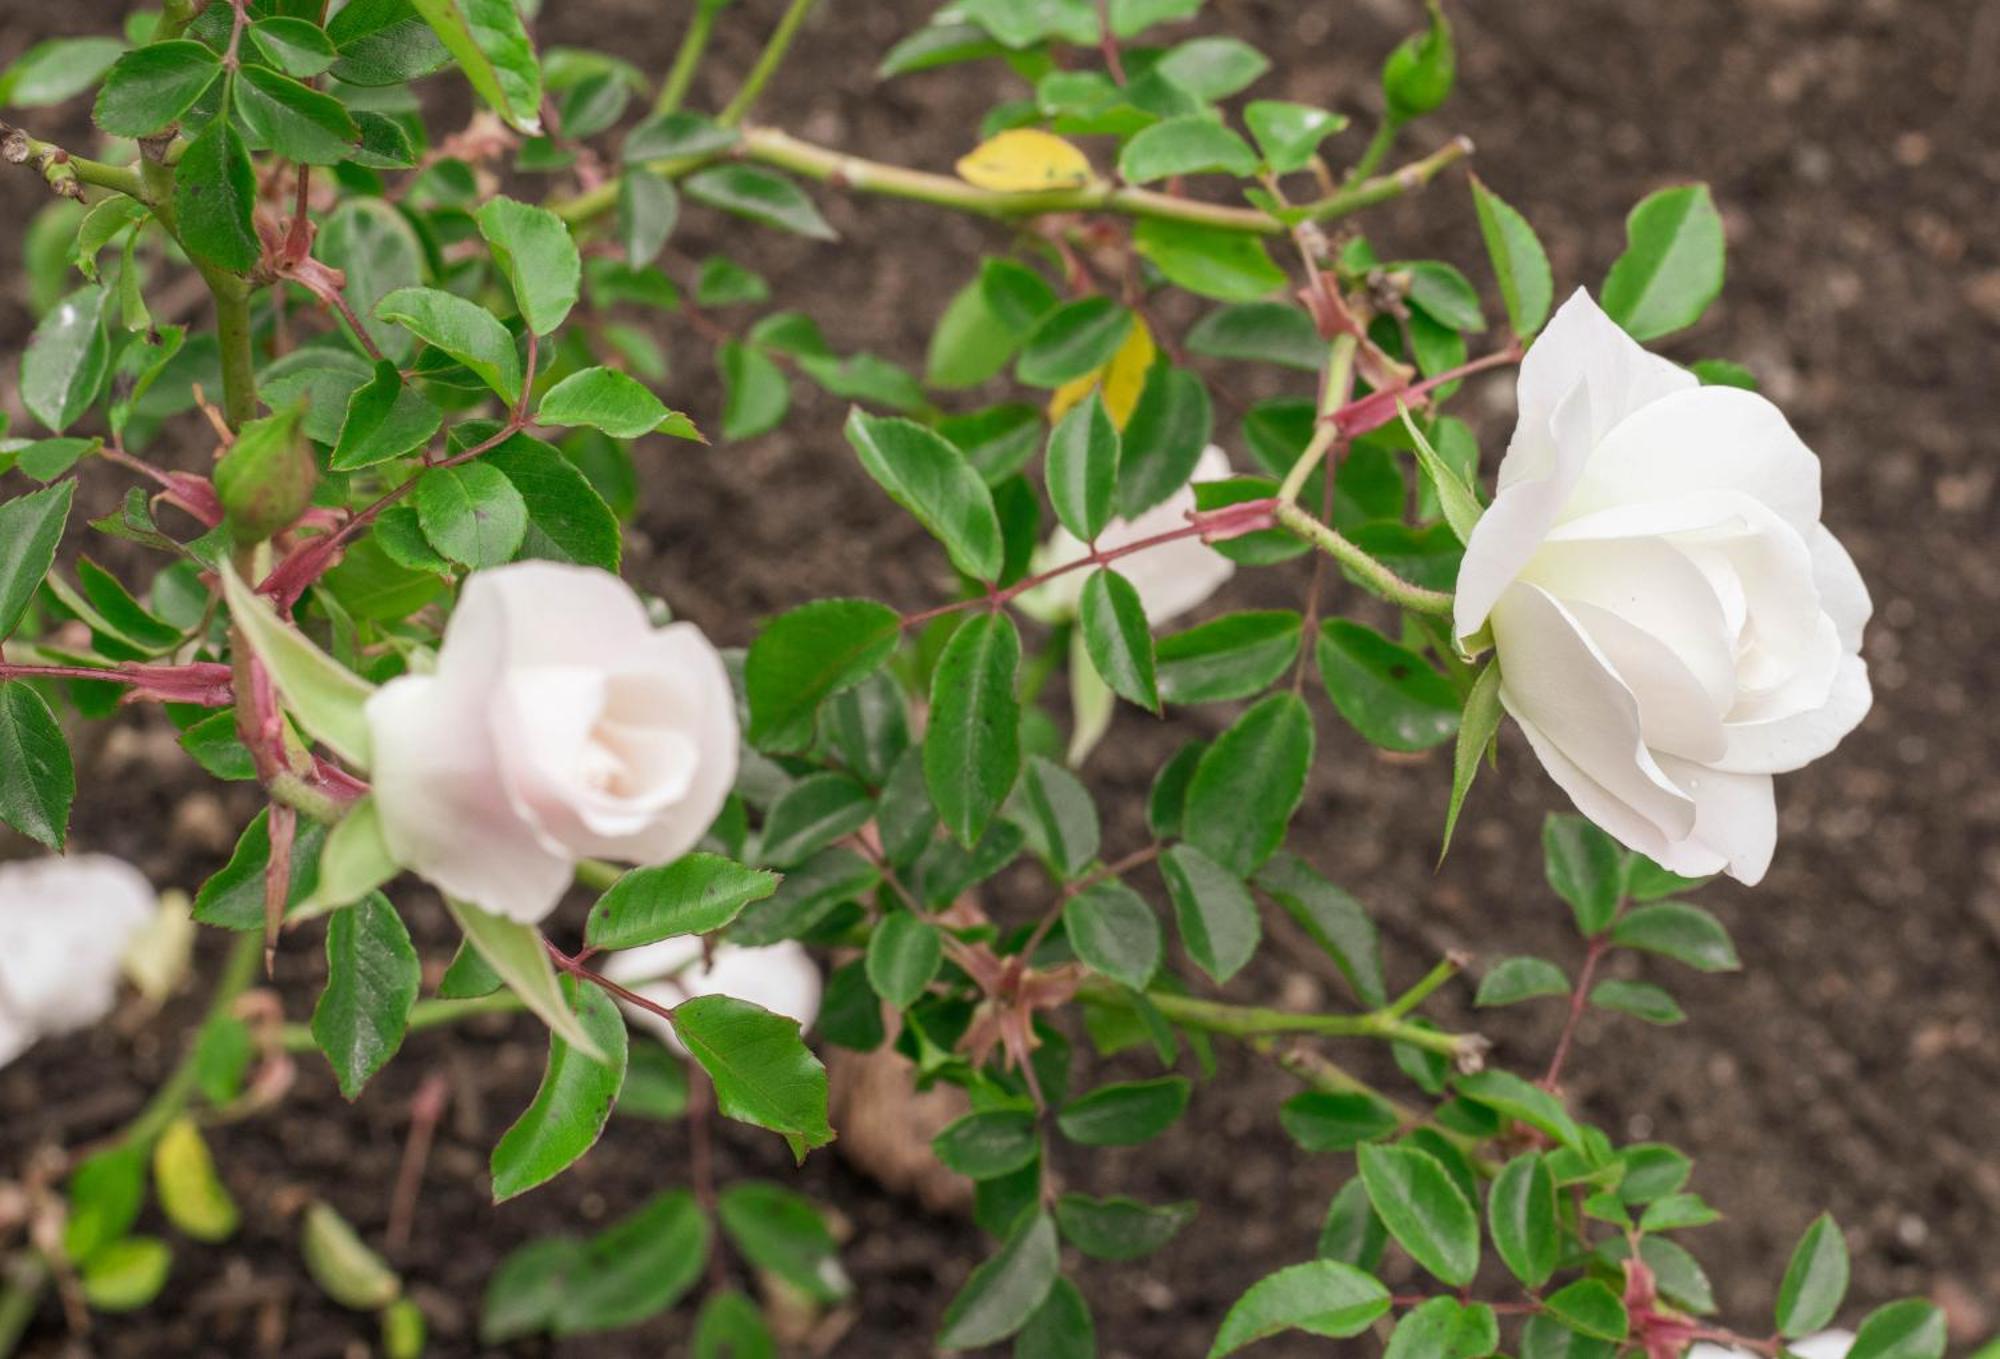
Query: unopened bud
point(266, 479)
point(1418, 75)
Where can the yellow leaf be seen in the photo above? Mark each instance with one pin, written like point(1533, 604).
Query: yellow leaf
point(191, 1195)
point(1122, 379)
point(1024, 160)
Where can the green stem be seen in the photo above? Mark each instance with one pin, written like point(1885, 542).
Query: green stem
point(686, 60)
point(1378, 147)
point(1321, 1073)
point(767, 64)
point(772, 147)
point(1373, 573)
point(1334, 387)
point(232, 330)
point(1249, 1022)
point(1367, 193)
point(1421, 992)
point(425, 1014)
point(238, 971)
point(27, 1274)
point(597, 874)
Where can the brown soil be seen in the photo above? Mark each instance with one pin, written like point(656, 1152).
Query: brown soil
point(1854, 1065)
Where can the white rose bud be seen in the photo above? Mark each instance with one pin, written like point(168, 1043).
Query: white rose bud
point(1825, 1345)
point(1673, 624)
point(781, 978)
point(64, 925)
point(559, 724)
point(1171, 578)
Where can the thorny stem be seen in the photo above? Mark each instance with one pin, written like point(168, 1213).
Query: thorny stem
point(1248, 1021)
point(1211, 525)
point(1334, 388)
point(687, 58)
point(768, 63)
point(1579, 1000)
point(1378, 577)
point(773, 147)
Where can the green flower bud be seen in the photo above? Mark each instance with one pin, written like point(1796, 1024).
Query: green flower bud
point(265, 480)
point(1419, 73)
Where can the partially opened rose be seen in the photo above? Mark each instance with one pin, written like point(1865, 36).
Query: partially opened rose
point(781, 978)
point(1673, 623)
point(1171, 578)
point(64, 926)
point(559, 724)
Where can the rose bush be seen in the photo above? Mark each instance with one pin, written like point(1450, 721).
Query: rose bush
point(378, 585)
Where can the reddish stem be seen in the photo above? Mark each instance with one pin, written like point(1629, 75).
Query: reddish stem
point(1578, 1000)
point(426, 1110)
point(576, 969)
point(1378, 408)
point(1211, 526)
point(205, 684)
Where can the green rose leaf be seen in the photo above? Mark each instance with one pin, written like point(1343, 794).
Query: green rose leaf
point(37, 779)
point(31, 526)
point(1424, 1209)
point(605, 399)
point(1082, 468)
point(972, 750)
point(1521, 1212)
point(150, 87)
point(1218, 918)
point(933, 481)
point(805, 656)
point(1672, 266)
point(472, 513)
point(462, 329)
point(67, 360)
point(763, 1071)
point(904, 955)
point(1387, 692)
point(1815, 1281)
point(1320, 1297)
point(372, 976)
point(534, 249)
point(695, 894)
point(763, 196)
point(1117, 638)
point(490, 44)
point(1114, 932)
point(1125, 1114)
point(1249, 783)
point(570, 1109)
point(1005, 1291)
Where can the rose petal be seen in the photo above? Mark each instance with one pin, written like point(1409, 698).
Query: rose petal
point(446, 814)
point(1552, 677)
point(1542, 467)
point(1582, 345)
point(1705, 439)
point(1787, 743)
point(1736, 820)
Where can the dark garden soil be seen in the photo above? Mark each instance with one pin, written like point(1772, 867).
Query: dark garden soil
point(1854, 1064)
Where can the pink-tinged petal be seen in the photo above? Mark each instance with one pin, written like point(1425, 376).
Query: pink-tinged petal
point(1783, 744)
point(446, 814)
point(705, 718)
point(1842, 592)
point(559, 614)
point(1553, 678)
point(1705, 439)
point(1736, 819)
point(1582, 345)
point(1542, 468)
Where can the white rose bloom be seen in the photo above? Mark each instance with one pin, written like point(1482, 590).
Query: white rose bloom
point(1673, 624)
point(559, 724)
point(781, 978)
point(1170, 579)
point(1825, 1345)
point(64, 924)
